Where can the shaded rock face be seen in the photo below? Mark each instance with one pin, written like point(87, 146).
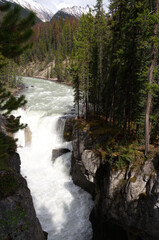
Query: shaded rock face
point(126, 201)
point(58, 152)
point(68, 129)
point(17, 215)
point(85, 161)
point(15, 162)
point(3, 124)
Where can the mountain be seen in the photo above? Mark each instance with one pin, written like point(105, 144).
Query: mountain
point(42, 12)
point(24, 12)
point(74, 11)
point(45, 14)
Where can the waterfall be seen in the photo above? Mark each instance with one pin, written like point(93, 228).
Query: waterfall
point(62, 208)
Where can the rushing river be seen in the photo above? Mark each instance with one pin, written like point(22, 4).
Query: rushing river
point(62, 208)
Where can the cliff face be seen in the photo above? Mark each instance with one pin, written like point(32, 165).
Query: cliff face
point(17, 215)
point(126, 201)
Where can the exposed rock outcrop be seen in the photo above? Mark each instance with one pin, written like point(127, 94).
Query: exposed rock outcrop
point(17, 215)
point(68, 129)
point(126, 200)
point(82, 169)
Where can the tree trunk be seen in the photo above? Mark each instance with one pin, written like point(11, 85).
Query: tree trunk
point(149, 96)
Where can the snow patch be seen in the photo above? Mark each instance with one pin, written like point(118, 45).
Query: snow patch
point(76, 11)
point(42, 12)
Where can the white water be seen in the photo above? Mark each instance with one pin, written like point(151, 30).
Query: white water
point(62, 208)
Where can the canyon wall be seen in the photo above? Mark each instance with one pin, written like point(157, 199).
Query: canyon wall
point(126, 200)
point(17, 215)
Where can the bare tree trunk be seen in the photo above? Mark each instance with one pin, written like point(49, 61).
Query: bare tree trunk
point(149, 96)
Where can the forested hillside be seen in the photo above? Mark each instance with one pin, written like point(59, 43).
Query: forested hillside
point(52, 49)
point(9, 73)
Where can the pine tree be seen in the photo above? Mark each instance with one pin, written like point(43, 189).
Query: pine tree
point(151, 77)
point(14, 33)
point(100, 27)
point(76, 86)
point(83, 54)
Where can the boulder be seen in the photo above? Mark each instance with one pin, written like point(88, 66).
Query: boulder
point(58, 152)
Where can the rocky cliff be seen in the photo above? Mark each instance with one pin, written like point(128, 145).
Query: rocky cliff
point(126, 200)
point(17, 215)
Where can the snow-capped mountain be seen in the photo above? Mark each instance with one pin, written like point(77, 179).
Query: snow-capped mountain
point(75, 11)
point(42, 12)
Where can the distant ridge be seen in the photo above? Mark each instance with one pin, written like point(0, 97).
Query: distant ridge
point(74, 11)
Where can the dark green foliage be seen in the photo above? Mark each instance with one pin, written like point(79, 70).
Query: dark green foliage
point(76, 86)
point(14, 32)
point(7, 105)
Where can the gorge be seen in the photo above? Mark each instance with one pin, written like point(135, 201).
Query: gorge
point(126, 200)
point(109, 150)
point(62, 208)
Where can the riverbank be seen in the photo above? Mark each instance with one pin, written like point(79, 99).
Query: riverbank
point(46, 71)
point(53, 80)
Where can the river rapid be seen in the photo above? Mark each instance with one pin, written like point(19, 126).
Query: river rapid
point(62, 208)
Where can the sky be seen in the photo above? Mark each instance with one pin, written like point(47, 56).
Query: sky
point(55, 5)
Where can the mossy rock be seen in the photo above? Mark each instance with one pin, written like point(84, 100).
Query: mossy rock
point(133, 179)
point(68, 136)
point(68, 129)
point(8, 184)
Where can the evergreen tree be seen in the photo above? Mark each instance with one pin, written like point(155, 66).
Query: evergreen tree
point(150, 79)
point(100, 27)
point(14, 33)
point(83, 54)
point(76, 87)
